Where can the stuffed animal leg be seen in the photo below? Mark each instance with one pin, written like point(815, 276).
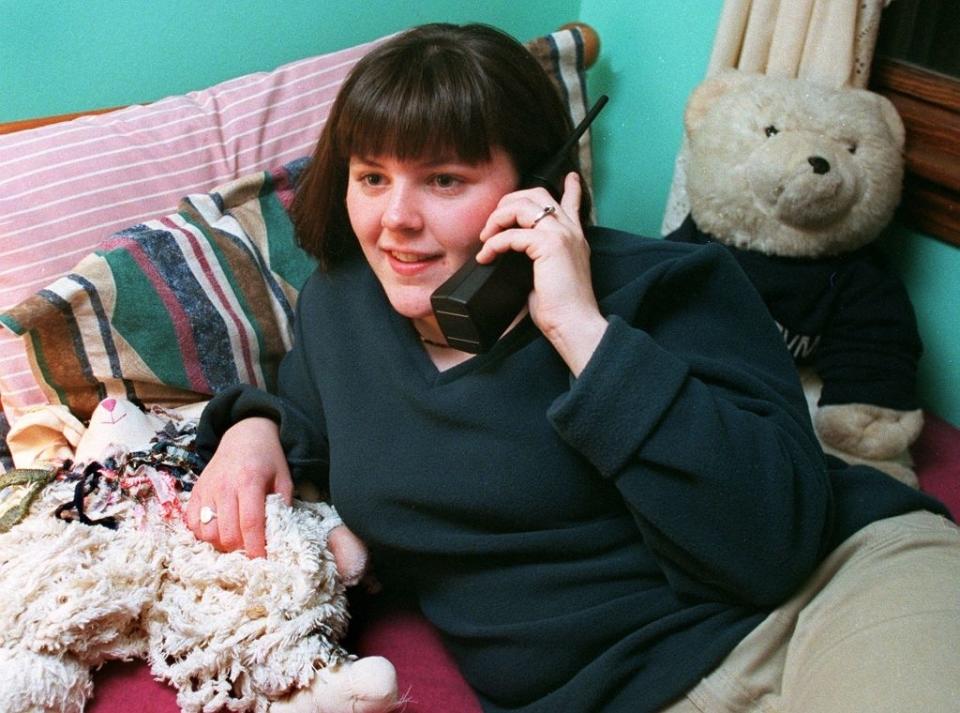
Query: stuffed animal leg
point(42, 683)
point(367, 685)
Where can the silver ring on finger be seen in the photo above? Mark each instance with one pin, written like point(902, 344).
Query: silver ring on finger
point(207, 514)
point(547, 210)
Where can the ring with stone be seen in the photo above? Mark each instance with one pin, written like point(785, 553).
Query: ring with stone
point(547, 210)
point(207, 514)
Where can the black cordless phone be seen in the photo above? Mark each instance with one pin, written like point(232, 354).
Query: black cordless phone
point(478, 302)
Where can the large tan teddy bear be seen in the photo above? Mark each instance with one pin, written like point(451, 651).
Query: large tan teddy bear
point(798, 180)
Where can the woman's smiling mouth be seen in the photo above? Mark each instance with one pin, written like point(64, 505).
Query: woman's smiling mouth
point(407, 264)
point(406, 257)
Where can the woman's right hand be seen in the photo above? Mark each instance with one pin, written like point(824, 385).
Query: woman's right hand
point(248, 465)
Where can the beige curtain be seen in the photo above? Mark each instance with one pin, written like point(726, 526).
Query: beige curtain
point(825, 41)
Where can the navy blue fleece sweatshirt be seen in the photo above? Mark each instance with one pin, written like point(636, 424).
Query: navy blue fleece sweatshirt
point(585, 544)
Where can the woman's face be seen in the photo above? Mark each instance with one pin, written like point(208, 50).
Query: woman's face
point(419, 220)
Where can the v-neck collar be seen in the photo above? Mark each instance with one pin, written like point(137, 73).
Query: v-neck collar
point(403, 349)
point(418, 360)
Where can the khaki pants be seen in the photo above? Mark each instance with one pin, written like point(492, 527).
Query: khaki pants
point(876, 629)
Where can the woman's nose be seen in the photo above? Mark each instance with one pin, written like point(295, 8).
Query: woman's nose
point(402, 212)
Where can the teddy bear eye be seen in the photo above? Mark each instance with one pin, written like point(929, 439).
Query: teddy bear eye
point(852, 148)
point(771, 130)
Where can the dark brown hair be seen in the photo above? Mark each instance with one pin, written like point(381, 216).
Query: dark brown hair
point(436, 89)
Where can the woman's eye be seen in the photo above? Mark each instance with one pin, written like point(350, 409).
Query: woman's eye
point(445, 180)
point(771, 130)
point(372, 179)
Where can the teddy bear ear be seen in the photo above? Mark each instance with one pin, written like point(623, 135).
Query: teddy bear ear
point(892, 119)
point(706, 94)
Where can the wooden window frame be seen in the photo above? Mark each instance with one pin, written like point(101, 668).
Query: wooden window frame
point(929, 103)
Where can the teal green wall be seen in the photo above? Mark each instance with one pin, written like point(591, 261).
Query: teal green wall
point(69, 55)
point(59, 56)
point(931, 270)
point(653, 53)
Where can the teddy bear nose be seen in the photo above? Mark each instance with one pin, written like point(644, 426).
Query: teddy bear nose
point(820, 164)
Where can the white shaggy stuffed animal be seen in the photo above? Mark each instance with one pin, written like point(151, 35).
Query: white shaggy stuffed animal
point(103, 568)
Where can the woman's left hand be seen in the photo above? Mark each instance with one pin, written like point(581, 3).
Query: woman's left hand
point(562, 303)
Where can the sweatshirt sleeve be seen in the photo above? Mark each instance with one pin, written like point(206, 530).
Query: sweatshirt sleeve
point(692, 406)
point(296, 408)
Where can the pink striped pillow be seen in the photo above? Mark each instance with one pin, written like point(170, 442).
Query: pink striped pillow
point(65, 187)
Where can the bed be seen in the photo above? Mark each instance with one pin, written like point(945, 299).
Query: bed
point(94, 305)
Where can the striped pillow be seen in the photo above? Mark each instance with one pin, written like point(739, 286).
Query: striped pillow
point(63, 188)
point(174, 309)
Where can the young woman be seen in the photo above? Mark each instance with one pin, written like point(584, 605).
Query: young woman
point(621, 506)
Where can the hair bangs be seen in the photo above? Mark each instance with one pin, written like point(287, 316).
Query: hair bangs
point(428, 106)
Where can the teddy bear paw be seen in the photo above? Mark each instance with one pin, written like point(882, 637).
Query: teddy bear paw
point(868, 431)
point(367, 685)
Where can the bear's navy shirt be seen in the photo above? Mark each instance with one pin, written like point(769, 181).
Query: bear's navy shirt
point(588, 544)
point(846, 316)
